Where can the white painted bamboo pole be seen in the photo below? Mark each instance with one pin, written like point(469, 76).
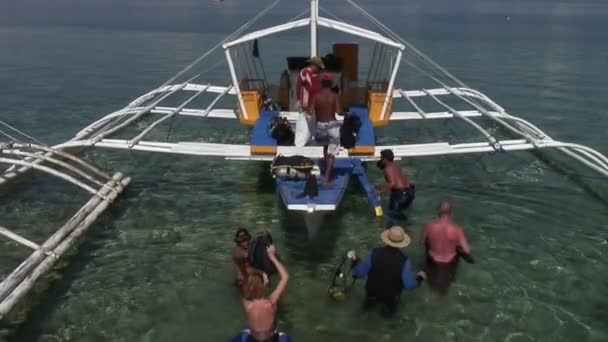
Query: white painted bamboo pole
point(171, 114)
point(12, 280)
point(47, 263)
point(418, 109)
point(136, 116)
point(485, 133)
point(50, 171)
point(314, 17)
point(66, 156)
point(217, 98)
point(391, 85)
point(53, 161)
point(235, 83)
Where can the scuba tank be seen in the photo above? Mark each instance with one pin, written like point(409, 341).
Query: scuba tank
point(340, 283)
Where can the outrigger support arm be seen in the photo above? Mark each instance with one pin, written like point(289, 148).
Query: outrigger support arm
point(235, 83)
point(391, 84)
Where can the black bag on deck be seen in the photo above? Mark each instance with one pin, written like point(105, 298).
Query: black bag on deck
point(279, 129)
point(349, 131)
point(258, 255)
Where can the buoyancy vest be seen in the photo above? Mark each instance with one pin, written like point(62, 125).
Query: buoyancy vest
point(384, 278)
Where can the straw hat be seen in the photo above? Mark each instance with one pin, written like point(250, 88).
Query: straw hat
point(317, 61)
point(395, 237)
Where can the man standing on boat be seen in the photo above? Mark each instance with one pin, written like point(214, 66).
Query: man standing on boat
point(445, 243)
point(388, 270)
point(307, 84)
point(402, 192)
point(323, 108)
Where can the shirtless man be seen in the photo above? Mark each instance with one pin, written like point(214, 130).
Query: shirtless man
point(324, 107)
point(261, 311)
point(445, 242)
point(402, 192)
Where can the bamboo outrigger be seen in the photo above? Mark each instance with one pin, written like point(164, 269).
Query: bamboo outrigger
point(374, 101)
point(105, 190)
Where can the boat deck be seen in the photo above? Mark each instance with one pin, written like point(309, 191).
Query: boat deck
point(292, 191)
point(329, 196)
point(263, 143)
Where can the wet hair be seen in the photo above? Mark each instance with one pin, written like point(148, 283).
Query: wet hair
point(242, 235)
point(254, 288)
point(444, 207)
point(387, 154)
point(326, 83)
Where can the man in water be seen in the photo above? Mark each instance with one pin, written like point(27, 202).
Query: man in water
point(324, 107)
point(388, 270)
point(307, 84)
point(240, 257)
point(402, 192)
point(445, 242)
point(261, 311)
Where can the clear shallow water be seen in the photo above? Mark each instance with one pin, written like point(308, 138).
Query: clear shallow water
point(157, 266)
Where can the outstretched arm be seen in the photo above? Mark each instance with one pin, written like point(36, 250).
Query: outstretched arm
point(407, 276)
point(360, 269)
point(464, 249)
point(284, 276)
point(463, 242)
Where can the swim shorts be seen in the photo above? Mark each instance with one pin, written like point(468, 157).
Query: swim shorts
point(441, 274)
point(328, 134)
point(402, 199)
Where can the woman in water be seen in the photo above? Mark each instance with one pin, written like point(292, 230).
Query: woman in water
point(261, 311)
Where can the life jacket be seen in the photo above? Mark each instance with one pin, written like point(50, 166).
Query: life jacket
point(349, 131)
point(244, 337)
point(258, 255)
point(384, 278)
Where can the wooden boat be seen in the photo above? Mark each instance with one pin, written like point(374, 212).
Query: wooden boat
point(373, 98)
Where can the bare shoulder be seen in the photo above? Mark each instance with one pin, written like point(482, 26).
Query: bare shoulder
point(459, 227)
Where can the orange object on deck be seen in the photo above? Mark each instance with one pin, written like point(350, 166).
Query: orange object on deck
point(253, 104)
point(374, 106)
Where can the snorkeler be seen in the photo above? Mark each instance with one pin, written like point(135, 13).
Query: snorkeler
point(261, 311)
point(402, 192)
point(388, 271)
point(445, 243)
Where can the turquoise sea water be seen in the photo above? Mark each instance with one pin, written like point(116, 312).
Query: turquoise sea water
point(157, 265)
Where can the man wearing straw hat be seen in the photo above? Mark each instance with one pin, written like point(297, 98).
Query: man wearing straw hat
point(388, 270)
point(308, 83)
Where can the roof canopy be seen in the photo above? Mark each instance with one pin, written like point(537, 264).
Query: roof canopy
point(321, 21)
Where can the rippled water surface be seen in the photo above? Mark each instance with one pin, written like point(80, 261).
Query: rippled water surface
point(157, 266)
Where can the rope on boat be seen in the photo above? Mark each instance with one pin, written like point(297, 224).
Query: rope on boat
point(20, 132)
point(227, 39)
point(107, 126)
